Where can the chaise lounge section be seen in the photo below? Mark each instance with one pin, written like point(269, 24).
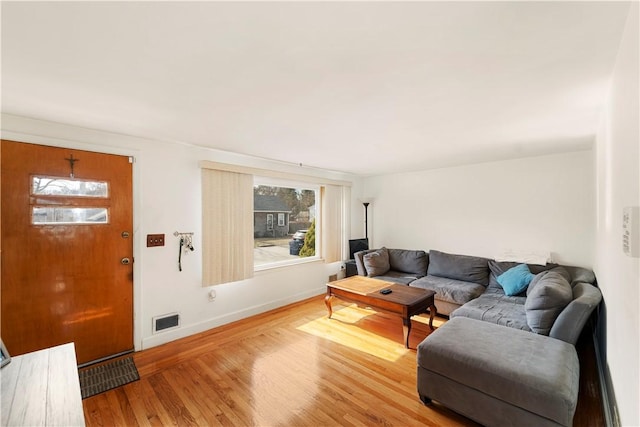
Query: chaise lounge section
point(499, 376)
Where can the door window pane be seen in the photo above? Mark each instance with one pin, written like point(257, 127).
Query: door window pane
point(67, 187)
point(65, 215)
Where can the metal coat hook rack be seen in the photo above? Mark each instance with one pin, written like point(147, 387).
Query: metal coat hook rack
point(186, 245)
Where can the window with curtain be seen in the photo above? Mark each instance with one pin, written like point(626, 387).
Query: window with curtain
point(233, 218)
point(292, 238)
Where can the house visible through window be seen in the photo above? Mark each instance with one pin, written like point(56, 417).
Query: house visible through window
point(289, 238)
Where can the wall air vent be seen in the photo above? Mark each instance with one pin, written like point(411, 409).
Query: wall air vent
point(166, 321)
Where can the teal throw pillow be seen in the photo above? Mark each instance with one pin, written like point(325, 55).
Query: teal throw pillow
point(515, 279)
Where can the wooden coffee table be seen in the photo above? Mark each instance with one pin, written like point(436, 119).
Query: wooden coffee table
point(403, 300)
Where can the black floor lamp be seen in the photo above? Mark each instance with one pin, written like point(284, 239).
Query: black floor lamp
point(366, 203)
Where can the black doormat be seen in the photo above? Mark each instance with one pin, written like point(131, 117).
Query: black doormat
point(105, 377)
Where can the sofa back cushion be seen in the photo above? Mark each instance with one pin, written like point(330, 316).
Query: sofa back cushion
point(377, 262)
point(500, 267)
point(540, 277)
point(549, 295)
point(459, 267)
point(409, 261)
point(580, 275)
point(359, 259)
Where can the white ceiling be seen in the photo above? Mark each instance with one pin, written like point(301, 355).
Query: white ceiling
point(361, 87)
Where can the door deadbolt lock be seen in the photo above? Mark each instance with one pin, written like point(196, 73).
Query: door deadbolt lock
point(125, 261)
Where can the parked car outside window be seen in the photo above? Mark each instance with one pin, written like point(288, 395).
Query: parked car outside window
point(297, 242)
point(299, 235)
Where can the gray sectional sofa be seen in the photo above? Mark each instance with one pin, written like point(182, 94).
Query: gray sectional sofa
point(506, 356)
point(467, 286)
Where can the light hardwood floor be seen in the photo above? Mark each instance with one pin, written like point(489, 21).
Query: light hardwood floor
point(288, 367)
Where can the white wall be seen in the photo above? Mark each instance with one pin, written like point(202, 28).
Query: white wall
point(539, 203)
point(618, 185)
point(167, 198)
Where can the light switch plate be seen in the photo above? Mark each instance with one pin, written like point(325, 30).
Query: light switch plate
point(631, 231)
point(155, 240)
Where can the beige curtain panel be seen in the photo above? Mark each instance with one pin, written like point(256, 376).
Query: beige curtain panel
point(227, 226)
point(332, 229)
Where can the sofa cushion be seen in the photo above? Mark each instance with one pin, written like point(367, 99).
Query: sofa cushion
point(496, 308)
point(516, 279)
point(377, 262)
point(450, 290)
point(498, 292)
point(580, 275)
point(459, 267)
point(550, 295)
point(409, 261)
point(397, 277)
point(499, 267)
point(359, 259)
point(560, 270)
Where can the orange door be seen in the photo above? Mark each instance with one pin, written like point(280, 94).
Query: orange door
point(67, 250)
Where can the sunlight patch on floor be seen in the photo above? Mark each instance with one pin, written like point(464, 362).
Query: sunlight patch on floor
point(342, 329)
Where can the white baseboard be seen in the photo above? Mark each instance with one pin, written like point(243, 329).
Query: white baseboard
point(188, 330)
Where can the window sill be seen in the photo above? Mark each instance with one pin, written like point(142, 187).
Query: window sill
point(285, 264)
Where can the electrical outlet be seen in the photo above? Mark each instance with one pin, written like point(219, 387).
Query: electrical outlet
point(155, 240)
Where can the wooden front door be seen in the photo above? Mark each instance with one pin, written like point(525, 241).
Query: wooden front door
point(67, 250)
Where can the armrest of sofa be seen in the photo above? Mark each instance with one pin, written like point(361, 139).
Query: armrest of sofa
point(569, 324)
point(358, 257)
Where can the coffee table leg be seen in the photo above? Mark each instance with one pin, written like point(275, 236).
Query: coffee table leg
point(327, 302)
point(406, 330)
point(432, 313)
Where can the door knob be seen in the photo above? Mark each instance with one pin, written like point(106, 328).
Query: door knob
point(125, 261)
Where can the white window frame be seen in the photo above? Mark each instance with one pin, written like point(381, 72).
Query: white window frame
point(285, 183)
point(281, 220)
point(286, 179)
